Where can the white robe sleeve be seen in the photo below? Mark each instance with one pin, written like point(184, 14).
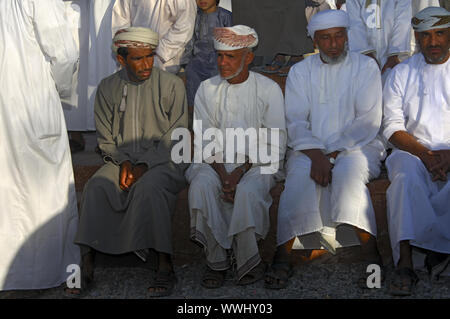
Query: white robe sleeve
point(203, 120)
point(298, 108)
point(368, 112)
point(401, 33)
point(357, 34)
point(393, 115)
point(121, 16)
point(174, 41)
point(56, 41)
point(274, 118)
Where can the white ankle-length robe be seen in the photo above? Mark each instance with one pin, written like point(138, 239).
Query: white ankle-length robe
point(78, 116)
point(220, 226)
point(91, 26)
point(331, 108)
point(417, 100)
point(38, 216)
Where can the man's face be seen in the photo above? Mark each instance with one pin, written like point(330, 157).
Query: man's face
point(233, 65)
point(139, 63)
point(207, 6)
point(434, 44)
point(331, 42)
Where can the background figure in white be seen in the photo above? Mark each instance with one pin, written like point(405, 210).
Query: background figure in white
point(226, 4)
point(314, 6)
point(39, 208)
point(229, 201)
point(417, 122)
point(332, 4)
point(90, 22)
point(173, 20)
point(381, 29)
point(333, 115)
point(416, 6)
point(77, 115)
point(337, 4)
point(101, 61)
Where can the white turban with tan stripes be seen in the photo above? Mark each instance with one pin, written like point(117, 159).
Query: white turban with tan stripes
point(235, 38)
point(135, 37)
point(431, 18)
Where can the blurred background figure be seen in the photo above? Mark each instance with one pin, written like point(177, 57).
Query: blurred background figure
point(90, 22)
point(200, 55)
point(78, 117)
point(281, 26)
point(380, 29)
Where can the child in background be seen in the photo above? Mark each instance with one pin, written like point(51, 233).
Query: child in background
point(200, 55)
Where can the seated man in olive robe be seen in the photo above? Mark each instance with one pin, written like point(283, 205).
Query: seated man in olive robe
point(128, 204)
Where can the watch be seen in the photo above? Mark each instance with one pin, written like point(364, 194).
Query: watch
point(332, 160)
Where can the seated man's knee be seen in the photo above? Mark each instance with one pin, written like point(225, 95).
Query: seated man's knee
point(247, 190)
point(404, 167)
point(97, 183)
point(148, 189)
point(204, 183)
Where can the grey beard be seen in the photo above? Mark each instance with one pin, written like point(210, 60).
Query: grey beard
point(241, 67)
point(436, 60)
point(336, 60)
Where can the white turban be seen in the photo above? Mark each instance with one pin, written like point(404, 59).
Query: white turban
point(235, 38)
point(431, 18)
point(328, 19)
point(135, 37)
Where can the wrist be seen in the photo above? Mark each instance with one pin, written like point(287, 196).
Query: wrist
point(423, 153)
point(125, 163)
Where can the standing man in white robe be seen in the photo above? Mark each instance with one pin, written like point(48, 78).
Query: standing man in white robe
point(173, 20)
point(380, 29)
point(39, 208)
point(229, 200)
point(417, 122)
point(102, 62)
point(333, 114)
point(76, 113)
point(91, 26)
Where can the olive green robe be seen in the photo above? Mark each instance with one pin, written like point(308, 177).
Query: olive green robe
point(134, 122)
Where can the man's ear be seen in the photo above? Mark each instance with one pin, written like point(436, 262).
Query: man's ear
point(249, 58)
point(121, 60)
point(315, 43)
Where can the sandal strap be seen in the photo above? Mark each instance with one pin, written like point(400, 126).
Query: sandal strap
point(211, 274)
point(164, 279)
point(280, 271)
point(401, 273)
point(406, 271)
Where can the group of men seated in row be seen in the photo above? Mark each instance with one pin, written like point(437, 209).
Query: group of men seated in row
point(333, 126)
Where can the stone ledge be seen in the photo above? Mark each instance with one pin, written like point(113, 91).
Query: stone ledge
point(185, 250)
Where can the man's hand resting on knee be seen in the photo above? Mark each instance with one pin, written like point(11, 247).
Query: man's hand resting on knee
point(320, 166)
point(440, 169)
point(130, 174)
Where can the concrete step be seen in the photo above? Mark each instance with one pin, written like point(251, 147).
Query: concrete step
point(186, 251)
